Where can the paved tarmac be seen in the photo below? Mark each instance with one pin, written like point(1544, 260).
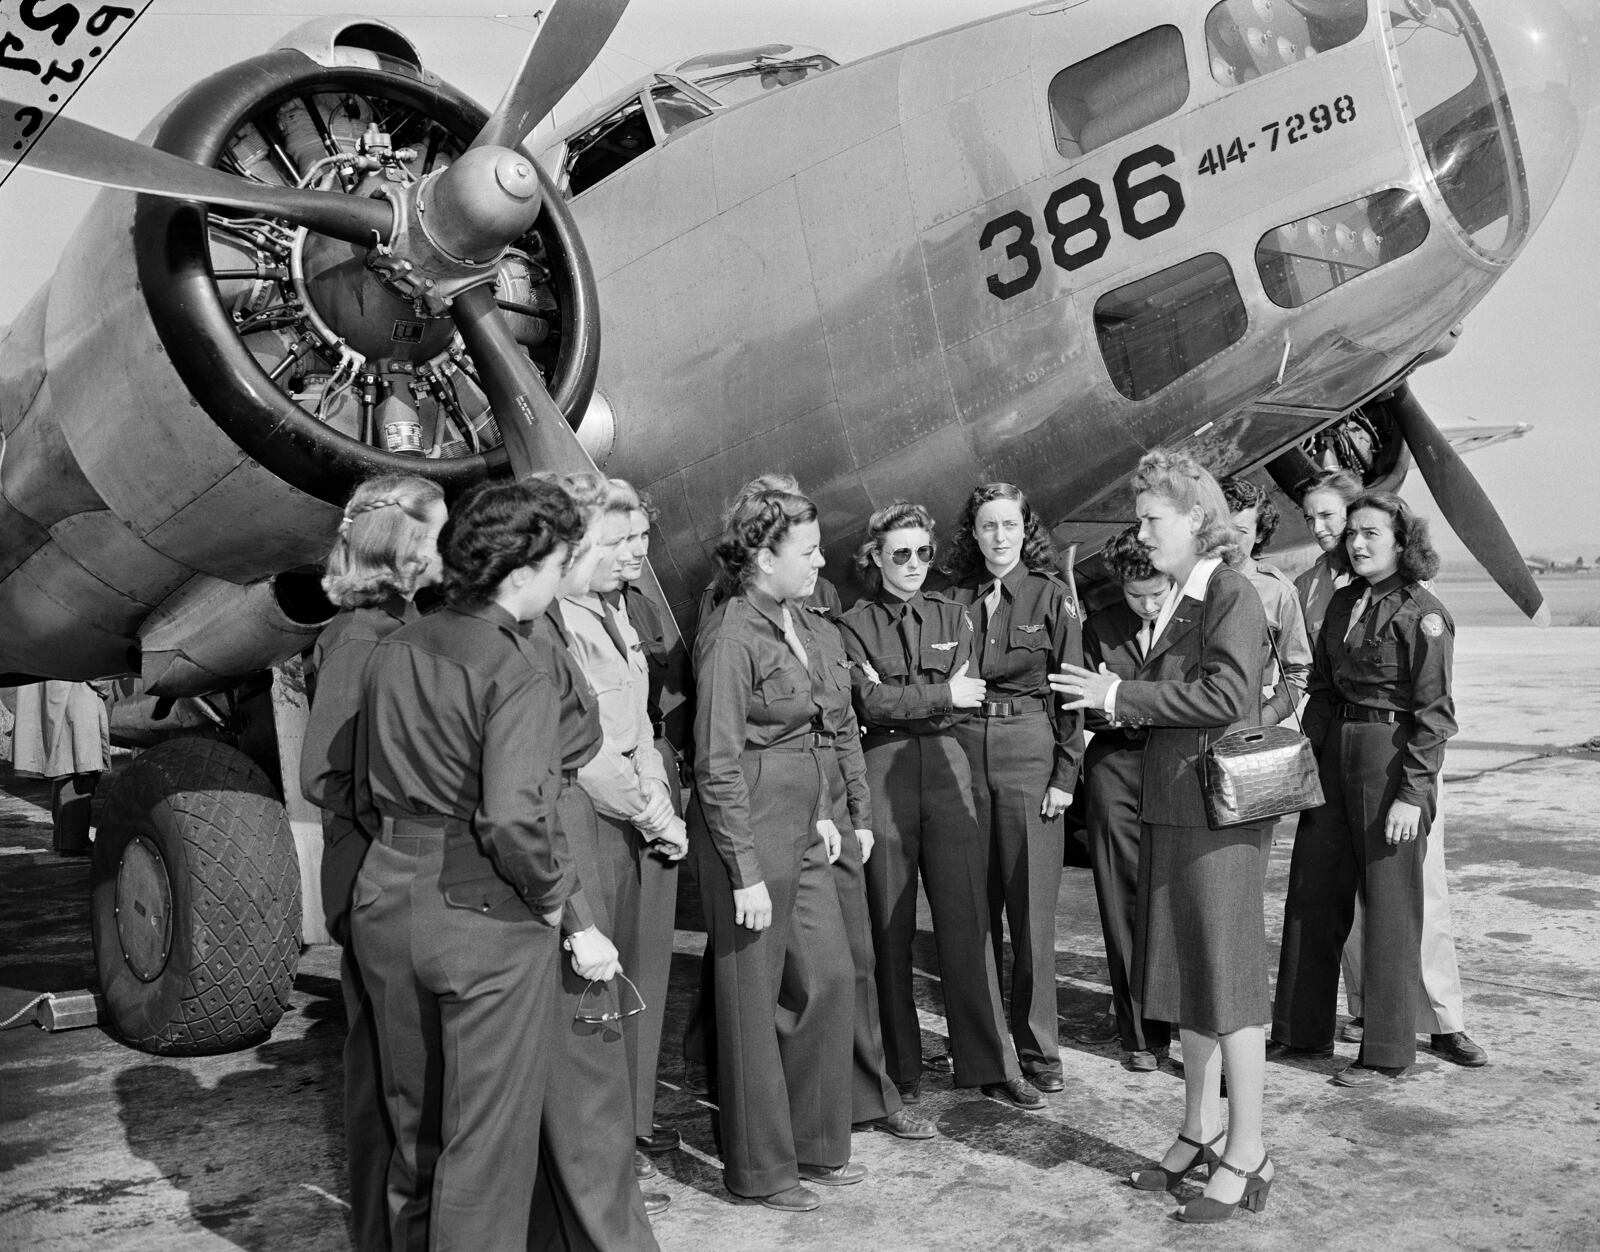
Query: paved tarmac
point(104, 1147)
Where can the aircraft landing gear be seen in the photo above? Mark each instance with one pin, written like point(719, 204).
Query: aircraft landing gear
point(196, 901)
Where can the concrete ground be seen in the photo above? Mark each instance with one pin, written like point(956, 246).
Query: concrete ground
point(107, 1148)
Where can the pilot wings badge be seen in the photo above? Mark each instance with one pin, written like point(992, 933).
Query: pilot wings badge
point(942, 647)
point(1032, 629)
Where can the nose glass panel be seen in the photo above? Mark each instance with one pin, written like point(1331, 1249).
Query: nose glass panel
point(1495, 92)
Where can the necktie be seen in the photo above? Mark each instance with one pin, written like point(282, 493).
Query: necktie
point(991, 606)
point(1147, 638)
point(792, 638)
point(1355, 618)
point(608, 619)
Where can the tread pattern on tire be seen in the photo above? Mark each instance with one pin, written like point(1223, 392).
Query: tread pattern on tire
point(245, 884)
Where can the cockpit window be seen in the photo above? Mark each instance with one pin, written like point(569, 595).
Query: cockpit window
point(627, 133)
point(1308, 258)
point(1156, 330)
point(1118, 91)
point(1248, 38)
point(767, 73)
point(676, 108)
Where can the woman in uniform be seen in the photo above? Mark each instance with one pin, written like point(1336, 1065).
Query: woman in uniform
point(784, 974)
point(1379, 714)
point(387, 549)
point(1200, 941)
point(588, 1195)
point(912, 654)
point(1323, 504)
point(1023, 749)
point(456, 908)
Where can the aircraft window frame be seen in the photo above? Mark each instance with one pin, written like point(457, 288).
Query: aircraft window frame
point(1118, 90)
point(1338, 245)
point(592, 142)
point(1250, 39)
point(1144, 345)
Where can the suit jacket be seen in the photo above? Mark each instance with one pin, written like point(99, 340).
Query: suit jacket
point(1201, 680)
point(1111, 636)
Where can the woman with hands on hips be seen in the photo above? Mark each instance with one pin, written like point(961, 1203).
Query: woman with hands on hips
point(1200, 944)
point(1379, 714)
point(784, 972)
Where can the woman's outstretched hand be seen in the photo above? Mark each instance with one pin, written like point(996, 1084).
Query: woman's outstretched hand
point(1084, 688)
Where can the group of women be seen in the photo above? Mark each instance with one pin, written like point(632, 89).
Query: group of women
point(494, 796)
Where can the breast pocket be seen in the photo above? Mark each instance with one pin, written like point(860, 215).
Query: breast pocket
point(889, 665)
point(936, 659)
point(778, 687)
point(1030, 637)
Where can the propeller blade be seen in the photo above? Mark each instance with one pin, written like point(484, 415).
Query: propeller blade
point(569, 38)
point(536, 434)
point(1466, 506)
point(91, 155)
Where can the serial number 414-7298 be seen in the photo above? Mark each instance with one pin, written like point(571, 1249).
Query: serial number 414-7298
point(1319, 119)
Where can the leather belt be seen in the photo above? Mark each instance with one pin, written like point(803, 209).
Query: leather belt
point(1013, 707)
point(811, 740)
point(414, 835)
point(1362, 713)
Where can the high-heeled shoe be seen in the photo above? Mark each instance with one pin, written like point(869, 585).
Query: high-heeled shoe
point(1163, 1179)
point(1206, 1211)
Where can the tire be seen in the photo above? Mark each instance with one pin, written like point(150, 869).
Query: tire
point(196, 901)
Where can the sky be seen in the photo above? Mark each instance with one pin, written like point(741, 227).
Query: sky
point(1530, 351)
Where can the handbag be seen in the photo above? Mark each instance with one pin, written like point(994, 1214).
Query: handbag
point(1260, 772)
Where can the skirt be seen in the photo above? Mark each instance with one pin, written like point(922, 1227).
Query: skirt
point(1200, 934)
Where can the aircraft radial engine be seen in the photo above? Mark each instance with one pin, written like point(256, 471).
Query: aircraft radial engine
point(330, 265)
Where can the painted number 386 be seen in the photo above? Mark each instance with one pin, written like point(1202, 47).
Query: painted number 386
point(1075, 220)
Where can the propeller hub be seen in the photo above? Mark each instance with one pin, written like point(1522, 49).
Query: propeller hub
point(483, 202)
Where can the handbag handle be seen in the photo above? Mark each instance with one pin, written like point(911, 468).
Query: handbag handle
point(1272, 643)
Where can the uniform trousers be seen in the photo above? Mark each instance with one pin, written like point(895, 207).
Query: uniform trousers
point(699, 1028)
point(1011, 760)
point(649, 962)
point(784, 994)
point(1113, 773)
point(587, 1198)
point(1340, 849)
point(368, 1135)
point(1440, 1008)
point(464, 1001)
point(924, 813)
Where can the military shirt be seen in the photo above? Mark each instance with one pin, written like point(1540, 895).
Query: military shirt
point(1287, 627)
point(830, 685)
point(1035, 630)
point(1398, 658)
point(580, 708)
point(456, 721)
point(753, 693)
point(1315, 587)
point(906, 652)
point(664, 652)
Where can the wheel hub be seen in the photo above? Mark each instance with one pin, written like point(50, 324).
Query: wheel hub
point(144, 909)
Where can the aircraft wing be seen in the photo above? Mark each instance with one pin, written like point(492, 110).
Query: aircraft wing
point(1472, 438)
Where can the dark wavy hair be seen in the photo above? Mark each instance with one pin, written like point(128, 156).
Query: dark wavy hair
point(1184, 483)
point(898, 515)
point(1127, 558)
point(757, 520)
point(499, 527)
point(1418, 559)
point(965, 561)
point(1242, 494)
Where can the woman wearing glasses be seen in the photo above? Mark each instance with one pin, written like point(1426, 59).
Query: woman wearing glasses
point(912, 662)
point(1023, 748)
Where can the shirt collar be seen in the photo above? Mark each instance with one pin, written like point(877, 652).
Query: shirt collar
point(494, 614)
point(398, 607)
point(769, 608)
point(1012, 581)
point(1200, 577)
point(1383, 587)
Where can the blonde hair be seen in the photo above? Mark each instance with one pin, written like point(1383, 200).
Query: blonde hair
point(378, 552)
point(1184, 483)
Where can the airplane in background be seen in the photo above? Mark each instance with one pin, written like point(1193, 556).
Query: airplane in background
point(1029, 248)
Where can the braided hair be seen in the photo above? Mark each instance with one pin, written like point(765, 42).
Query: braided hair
point(379, 548)
point(756, 521)
point(499, 527)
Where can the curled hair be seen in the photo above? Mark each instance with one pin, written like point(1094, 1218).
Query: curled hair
point(760, 520)
point(378, 552)
point(499, 527)
point(1341, 482)
point(1242, 494)
point(966, 560)
point(1418, 559)
point(1185, 484)
point(760, 485)
point(899, 515)
point(1127, 558)
point(625, 497)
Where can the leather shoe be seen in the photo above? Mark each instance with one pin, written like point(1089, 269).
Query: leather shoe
point(1046, 1080)
point(834, 1175)
point(1102, 1031)
point(939, 1063)
point(1369, 1077)
point(902, 1124)
point(1354, 1030)
point(793, 1200)
point(656, 1202)
point(1014, 1091)
point(910, 1092)
point(1277, 1051)
point(660, 1139)
point(643, 1167)
point(696, 1079)
point(1458, 1048)
point(1143, 1061)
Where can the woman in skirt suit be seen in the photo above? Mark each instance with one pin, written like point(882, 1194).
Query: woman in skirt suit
point(1200, 935)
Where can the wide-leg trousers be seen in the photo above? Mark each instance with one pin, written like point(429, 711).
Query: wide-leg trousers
point(784, 1004)
point(925, 817)
point(464, 1001)
point(1339, 849)
point(1011, 760)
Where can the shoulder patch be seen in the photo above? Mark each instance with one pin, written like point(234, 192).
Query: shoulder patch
point(1071, 608)
point(942, 647)
point(1432, 625)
